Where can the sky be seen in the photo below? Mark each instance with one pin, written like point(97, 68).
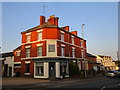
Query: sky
point(100, 19)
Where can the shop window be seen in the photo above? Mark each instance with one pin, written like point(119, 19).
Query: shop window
point(39, 69)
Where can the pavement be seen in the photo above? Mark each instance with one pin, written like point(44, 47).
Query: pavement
point(8, 81)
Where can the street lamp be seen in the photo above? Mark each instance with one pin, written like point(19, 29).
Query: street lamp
point(83, 31)
point(85, 74)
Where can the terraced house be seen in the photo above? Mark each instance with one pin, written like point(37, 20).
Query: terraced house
point(47, 49)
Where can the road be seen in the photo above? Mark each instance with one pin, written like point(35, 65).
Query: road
point(97, 82)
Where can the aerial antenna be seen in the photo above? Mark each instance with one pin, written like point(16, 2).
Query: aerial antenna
point(44, 10)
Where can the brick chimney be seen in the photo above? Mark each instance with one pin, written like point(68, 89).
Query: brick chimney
point(42, 20)
point(74, 32)
point(66, 28)
point(53, 20)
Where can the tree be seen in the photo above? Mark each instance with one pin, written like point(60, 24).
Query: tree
point(73, 69)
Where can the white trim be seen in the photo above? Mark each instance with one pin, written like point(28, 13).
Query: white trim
point(72, 36)
point(40, 30)
point(51, 57)
point(33, 42)
point(28, 33)
point(17, 62)
point(62, 31)
point(27, 46)
point(27, 73)
point(39, 44)
point(62, 45)
point(52, 39)
point(17, 66)
point(73, 47)
point(27, 62)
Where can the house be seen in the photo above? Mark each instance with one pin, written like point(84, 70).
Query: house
point(7, 64)
point(47, 49)
point(92, 62)
point(107, 62)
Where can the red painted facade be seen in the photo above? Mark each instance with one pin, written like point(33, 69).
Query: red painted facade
point(50, 30)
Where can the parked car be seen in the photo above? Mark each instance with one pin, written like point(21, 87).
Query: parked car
point(112, 73)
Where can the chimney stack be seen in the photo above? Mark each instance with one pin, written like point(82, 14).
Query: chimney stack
point(42, 20)
point(66, 28)
point(74, 32)
point(53, 20)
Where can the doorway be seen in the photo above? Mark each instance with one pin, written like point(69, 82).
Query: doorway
point(52, 69)
point(10, 71)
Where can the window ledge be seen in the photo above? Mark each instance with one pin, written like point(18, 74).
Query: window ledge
point(27, 73)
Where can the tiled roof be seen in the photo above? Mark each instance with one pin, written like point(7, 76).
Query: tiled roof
point(7, 54)
point(47, 24)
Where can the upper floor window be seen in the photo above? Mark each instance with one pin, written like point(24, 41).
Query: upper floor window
point(27, 52)
point(63, 51)
point(72, 40)
point(81, 43)
point(51, 48)
point(62, 36)
point(28, 38)
point(82, 52)
point(18, 53)
point(40, 51)
point(40, 35)
point(73, 52)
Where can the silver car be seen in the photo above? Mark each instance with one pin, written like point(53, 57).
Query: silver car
point(112, 73)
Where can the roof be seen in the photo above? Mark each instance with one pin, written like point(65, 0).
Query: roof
point(7, 54)
point(19, 47)
point(103, 56)
point(48, 24)
point(90, 55)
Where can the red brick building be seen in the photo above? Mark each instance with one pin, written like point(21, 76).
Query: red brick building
point(47, 49)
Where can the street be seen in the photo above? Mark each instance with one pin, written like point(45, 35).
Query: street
point(94, 82)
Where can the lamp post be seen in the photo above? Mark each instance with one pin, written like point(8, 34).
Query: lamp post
point(85, 74)
point(83, 31)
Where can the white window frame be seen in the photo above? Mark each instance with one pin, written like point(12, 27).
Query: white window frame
point(28, 38)
point(39, 53)
point(39, 37)
point(27, 53)
point(73, 52)
point(73, 41)
point(62, 36)
point(62, 50)
point(82, 53)
point(50, 49)
point(81, 42)
point(18, 53)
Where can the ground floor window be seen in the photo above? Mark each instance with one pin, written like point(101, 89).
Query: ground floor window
point(40, 69)
point(27, 68)
point(63, 66)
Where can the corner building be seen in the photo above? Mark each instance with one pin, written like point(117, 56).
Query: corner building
point(47, 50)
